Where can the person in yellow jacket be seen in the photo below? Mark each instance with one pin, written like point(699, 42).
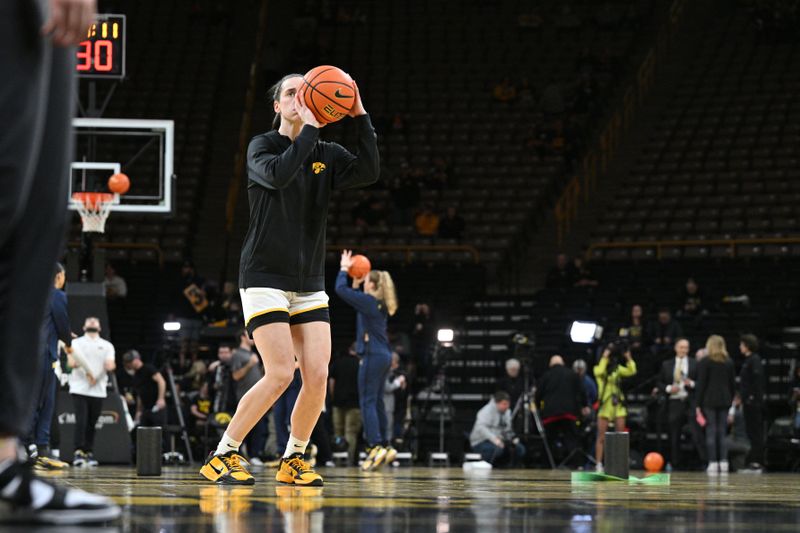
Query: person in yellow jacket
point(611, 399)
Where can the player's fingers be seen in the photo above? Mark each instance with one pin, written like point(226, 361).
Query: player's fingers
point(72, 20)
point(54, 22)
point(87, 19)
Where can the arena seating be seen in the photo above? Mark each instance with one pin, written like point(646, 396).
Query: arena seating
point(439, 79)
point(722, 162)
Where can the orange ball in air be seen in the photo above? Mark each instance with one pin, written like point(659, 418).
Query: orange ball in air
point(360, 267)
point(119, 183)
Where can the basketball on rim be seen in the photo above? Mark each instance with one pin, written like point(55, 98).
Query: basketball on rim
point(329, 93)
point(119, 183)
point(360, 267)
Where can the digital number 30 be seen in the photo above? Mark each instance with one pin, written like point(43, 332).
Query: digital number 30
point(101, 64)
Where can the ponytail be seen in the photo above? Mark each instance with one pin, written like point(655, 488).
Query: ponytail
point(384, 289)
point(274, 93)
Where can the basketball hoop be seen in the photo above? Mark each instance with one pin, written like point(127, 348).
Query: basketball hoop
point(94, 208)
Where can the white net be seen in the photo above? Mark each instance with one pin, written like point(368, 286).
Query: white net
point(94, 209)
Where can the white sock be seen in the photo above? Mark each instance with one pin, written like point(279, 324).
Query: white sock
point(294, 446)
point(227, 444)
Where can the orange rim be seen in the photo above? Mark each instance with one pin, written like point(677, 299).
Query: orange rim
point(92, 199)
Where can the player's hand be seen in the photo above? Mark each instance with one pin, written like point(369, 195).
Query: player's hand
point(358, 105)
point(304, 112)
point(161, 404)
point(69, 21)
point(347, 260)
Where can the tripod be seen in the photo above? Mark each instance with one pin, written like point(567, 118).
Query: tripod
point(526, 403)
point(174, 455)
point(445, 404)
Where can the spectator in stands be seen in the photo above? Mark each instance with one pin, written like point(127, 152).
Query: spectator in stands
point(737, 442)
point(677, 381)
point(526, 99)
point(752, 384)
point(493, 436)
point(562, 275)
point(343, 386)
point(583, 276)
point(192, 302)
point(505, 91)
point(690, 304)
point(609, 373)
point(634, 331)
point(664, 332)
point(201, 407)
point(114, 284)
point(427, 222)
point(452, 225)
point(512, 383)
point(369, 212)
point(395, 382)
point(422, 337)
point(561, 398)
point(438, 176)
point(794, 398)
point(589, 386)
point(405, 197)
point(716, 384)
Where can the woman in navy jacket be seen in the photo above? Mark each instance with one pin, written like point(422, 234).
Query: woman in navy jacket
point(373, 307)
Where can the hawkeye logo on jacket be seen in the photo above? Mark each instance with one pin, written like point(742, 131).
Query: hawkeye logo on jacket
point(318, 167)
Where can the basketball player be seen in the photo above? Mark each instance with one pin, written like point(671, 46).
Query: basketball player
point(373, 307)
point(36, 97)
point(291, 174)
point(55, 328)
point(92, 358)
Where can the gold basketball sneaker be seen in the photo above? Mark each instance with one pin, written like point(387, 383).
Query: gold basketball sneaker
point(375, 458)
point(226, 469)
point(294, 470)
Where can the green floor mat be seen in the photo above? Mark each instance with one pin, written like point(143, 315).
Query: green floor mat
point(652, 479)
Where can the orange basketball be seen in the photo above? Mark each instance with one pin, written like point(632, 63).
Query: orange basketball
point(360, 267)
point(653, 462)
point(119, 183)
point(328, 92)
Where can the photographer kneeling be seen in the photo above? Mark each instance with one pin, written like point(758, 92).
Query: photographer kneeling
point(492, 435)
point(617, 363)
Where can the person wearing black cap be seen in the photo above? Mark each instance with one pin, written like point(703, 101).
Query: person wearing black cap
point(150, 388)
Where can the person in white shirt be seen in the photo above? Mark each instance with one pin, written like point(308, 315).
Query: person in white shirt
point(91, 360)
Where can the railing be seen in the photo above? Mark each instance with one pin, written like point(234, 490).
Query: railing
point(126, 246)
point(411, 249)
point(597, 159)
point(660, 245)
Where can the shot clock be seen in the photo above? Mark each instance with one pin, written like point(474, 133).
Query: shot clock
point(102, 53)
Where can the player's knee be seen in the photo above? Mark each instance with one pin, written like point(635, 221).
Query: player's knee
point(316, 378)
point(282, 375)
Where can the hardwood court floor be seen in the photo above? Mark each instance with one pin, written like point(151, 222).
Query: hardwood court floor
point(445, 500)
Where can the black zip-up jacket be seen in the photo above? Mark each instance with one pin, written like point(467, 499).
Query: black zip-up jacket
point(289, 185)
point(752, 380)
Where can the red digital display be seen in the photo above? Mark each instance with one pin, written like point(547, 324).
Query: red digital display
point(102, 54)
